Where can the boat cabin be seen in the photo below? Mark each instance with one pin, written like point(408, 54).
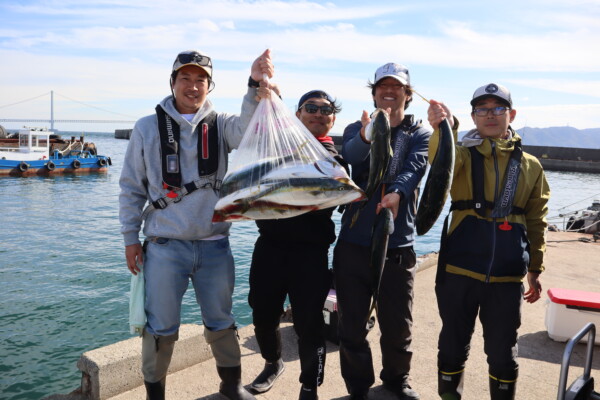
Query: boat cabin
point(33, 144)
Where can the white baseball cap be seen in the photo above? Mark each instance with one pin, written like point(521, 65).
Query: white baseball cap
point(492, 90)
point(392, 70)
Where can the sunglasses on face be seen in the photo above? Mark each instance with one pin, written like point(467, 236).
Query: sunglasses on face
point(483, 112)
point(313, 108)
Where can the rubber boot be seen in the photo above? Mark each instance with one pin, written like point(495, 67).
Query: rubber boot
point(231, 384)
point(265, 380)
point(450, 384)
point(502, 389)
point(155, 390)
point(156, 357)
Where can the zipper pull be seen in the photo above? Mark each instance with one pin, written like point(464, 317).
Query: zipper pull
point(505, 226)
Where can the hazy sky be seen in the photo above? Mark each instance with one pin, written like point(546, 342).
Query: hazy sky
point(116, 55)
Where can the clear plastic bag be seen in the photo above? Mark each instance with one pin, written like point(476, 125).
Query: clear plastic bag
point(280, 170)
point(137, 294)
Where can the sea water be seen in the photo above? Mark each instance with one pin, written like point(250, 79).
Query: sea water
point(64, 283)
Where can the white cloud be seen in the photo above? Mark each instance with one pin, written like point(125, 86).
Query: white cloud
point(96, 51)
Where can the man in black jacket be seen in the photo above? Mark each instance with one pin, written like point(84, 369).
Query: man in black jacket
point(291, 258)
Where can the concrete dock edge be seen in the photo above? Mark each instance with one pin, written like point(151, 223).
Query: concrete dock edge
point(116, 368)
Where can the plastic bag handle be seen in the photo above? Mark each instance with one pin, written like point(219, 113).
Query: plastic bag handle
point(266, 78)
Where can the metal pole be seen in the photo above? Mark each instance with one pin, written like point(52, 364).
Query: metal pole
point(52, 110)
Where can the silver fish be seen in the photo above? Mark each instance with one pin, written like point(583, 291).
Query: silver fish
point(381, 151)
point(380, 154)
point(438, 183)
point(283, 198)
point(383, 227)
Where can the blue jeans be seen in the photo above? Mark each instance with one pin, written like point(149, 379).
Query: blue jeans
point(168, 266)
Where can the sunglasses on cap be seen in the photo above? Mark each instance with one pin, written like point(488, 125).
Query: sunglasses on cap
point(313, 108)
point(192, 58)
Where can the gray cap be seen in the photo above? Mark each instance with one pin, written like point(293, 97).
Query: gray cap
point(492, 90)
point(392, 70)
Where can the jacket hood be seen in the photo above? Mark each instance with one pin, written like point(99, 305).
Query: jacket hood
point(473, 138)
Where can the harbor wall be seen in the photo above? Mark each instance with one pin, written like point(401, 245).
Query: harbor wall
point(566, 159)
point(114, 369)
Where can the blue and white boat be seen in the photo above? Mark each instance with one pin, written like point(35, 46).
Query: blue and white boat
point(39, 152)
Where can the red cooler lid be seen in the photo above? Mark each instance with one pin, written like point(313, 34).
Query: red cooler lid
point(574, 297)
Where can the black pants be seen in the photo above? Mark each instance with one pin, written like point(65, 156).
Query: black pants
point(300, 270)
point(353, 283)
point(460, 299)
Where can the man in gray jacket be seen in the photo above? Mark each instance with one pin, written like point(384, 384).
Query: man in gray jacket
point(175, 162)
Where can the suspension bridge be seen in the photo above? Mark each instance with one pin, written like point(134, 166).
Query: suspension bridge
point(52, 120)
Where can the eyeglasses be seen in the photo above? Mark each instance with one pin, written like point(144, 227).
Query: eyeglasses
point(483, 112)
point(312, 108)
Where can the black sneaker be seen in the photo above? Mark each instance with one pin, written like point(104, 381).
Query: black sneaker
point(265, 380)
point(308, 393)
point(402, 389)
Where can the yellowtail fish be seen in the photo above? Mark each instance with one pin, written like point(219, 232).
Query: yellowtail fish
point(438, 183)
point(383, 227)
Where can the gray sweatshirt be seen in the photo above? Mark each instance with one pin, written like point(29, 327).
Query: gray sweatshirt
point(141, 176)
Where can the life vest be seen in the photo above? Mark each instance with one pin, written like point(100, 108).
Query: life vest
point(208, 159)
point(503, 206)
point(500, 207)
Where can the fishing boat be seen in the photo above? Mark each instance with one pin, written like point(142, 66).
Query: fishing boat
point(36, 151)
point(585, 221)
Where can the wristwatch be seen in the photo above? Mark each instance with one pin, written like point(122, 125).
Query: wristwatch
point(252, 83)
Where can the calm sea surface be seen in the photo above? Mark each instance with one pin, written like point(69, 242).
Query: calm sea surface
point(64, 284)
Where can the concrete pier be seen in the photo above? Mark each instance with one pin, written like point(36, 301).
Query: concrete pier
point(112, 372)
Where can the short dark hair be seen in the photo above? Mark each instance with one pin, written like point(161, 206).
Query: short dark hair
point(407, 88)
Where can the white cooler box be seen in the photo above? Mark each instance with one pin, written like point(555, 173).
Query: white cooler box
point(569, 310)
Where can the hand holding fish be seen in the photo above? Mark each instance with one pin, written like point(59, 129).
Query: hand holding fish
point(262, 69)
point(265, 89)
point(437, 112)
point(366, 132)
point(365, 120)
point(262, 65)
point(391, 201)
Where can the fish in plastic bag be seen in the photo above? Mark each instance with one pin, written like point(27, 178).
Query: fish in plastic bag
point(280, 170)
